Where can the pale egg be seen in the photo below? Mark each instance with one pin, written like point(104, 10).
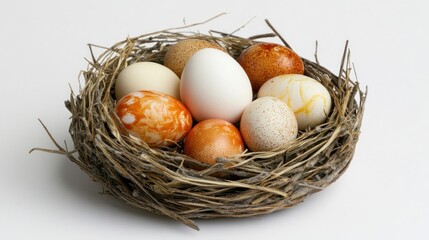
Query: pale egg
point(268, 123)
point(309, 100)
point(147, 76)
point(214, 85)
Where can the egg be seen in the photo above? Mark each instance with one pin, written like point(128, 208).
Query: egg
point(147, 76)
point(178, 54)
point(268, 123)
point(263, 61)
point(213, 138)
point(156, 118)
point(309, 100)
point(213, 85)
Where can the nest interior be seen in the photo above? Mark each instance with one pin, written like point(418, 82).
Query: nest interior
point(158, 180)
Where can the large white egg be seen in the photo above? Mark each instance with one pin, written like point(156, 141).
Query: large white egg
point(147, 76)
point(214, 85)
point(308, 99)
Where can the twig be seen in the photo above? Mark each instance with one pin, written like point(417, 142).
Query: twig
point(342, 62)
point(60, 149)
point(315, 53)
point(244, 25)
point(196, 24)
point(278, 34)
point(223, 33)
point(266, 35)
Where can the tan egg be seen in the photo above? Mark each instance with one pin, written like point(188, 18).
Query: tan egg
point(268, 123)
point(178, 54)
point(263, 61)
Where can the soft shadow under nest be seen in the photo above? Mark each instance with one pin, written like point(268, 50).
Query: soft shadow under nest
point(157, 179)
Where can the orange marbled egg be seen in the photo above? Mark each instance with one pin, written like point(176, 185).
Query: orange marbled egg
point(263, 61)
point(156, 118)
point(213, 138)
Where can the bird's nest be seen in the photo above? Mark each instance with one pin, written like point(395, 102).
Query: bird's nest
point(158, 180)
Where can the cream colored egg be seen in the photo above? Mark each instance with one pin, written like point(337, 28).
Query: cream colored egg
point(148, 76)
point(268, 123)
point(307, 98)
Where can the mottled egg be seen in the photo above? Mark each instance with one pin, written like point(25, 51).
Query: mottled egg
point(307, 98)
point(214, 85)
point(213, 138)
point(178, 54)
point(263, 61)
point(147, 76)
point(156, 118)
point(268, 123)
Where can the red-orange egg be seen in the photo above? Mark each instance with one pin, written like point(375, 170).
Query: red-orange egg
point(264, 61)
point(213, 138)
point(156, 118)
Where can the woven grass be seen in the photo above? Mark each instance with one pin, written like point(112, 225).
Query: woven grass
point(158, 180)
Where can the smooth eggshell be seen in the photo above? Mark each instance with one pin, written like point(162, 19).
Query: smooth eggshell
point(309, 99)
point(213, 138)
point(156, 118)
point(263, 61)
point(147, 76)
point(213, 85)
point(268, 123)
point(178, 54)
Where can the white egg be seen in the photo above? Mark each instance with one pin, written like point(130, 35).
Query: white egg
point(307, 98)
point(268, 123)
point(147, 76)
point(214, 85)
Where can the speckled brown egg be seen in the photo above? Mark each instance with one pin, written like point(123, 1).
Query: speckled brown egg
point(264, 61)
point(268, 123)
point(178, 54)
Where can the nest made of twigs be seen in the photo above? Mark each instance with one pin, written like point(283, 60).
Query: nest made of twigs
point(158, 180)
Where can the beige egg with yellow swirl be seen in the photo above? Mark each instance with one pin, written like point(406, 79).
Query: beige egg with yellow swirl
point(309, 100)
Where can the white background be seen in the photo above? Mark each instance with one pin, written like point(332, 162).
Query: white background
point(383, 195)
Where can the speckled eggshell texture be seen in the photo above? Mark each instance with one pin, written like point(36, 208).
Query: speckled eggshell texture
point(263, 61)
point(178, 54)
point(268, 123)
point(309, 100)
point(156, 118)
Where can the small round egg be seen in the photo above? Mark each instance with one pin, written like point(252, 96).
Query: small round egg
point(214, 85)
point(178, 54)
point(263, 61)
point(213, 138)
point(147, 76)
point(309, 100)
point(156, 118)
point(268, 123)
